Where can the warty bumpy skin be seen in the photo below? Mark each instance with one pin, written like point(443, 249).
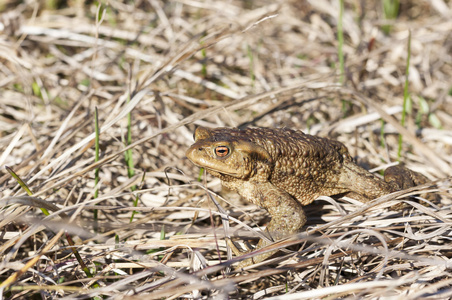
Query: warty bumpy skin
point(282, 170)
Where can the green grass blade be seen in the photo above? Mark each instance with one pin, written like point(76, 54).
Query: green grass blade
point(128, 157)
point(405, 94)
point(24, 186)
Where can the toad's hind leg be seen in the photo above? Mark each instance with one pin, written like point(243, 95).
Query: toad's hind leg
point(400, 177)
point(286, 212)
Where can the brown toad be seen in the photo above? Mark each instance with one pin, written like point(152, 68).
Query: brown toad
point(282, 170)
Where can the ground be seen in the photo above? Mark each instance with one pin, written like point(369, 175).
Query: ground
point(141, 222)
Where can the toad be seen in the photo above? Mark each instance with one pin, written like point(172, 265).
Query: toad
point(282, 170)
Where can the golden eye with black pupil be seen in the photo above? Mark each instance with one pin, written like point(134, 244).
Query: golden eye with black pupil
point(221, 151)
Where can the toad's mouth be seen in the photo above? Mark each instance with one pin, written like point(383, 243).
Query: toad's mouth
point(222, 172)
point(213, 168)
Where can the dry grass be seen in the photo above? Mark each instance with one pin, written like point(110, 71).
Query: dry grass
point(216, 63)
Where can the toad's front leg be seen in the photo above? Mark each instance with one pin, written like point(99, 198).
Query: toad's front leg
point(286, 212)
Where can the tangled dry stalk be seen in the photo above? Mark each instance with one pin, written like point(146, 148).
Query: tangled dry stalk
point(174, 65)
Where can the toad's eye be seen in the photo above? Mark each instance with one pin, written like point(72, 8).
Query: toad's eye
point(222, 151)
